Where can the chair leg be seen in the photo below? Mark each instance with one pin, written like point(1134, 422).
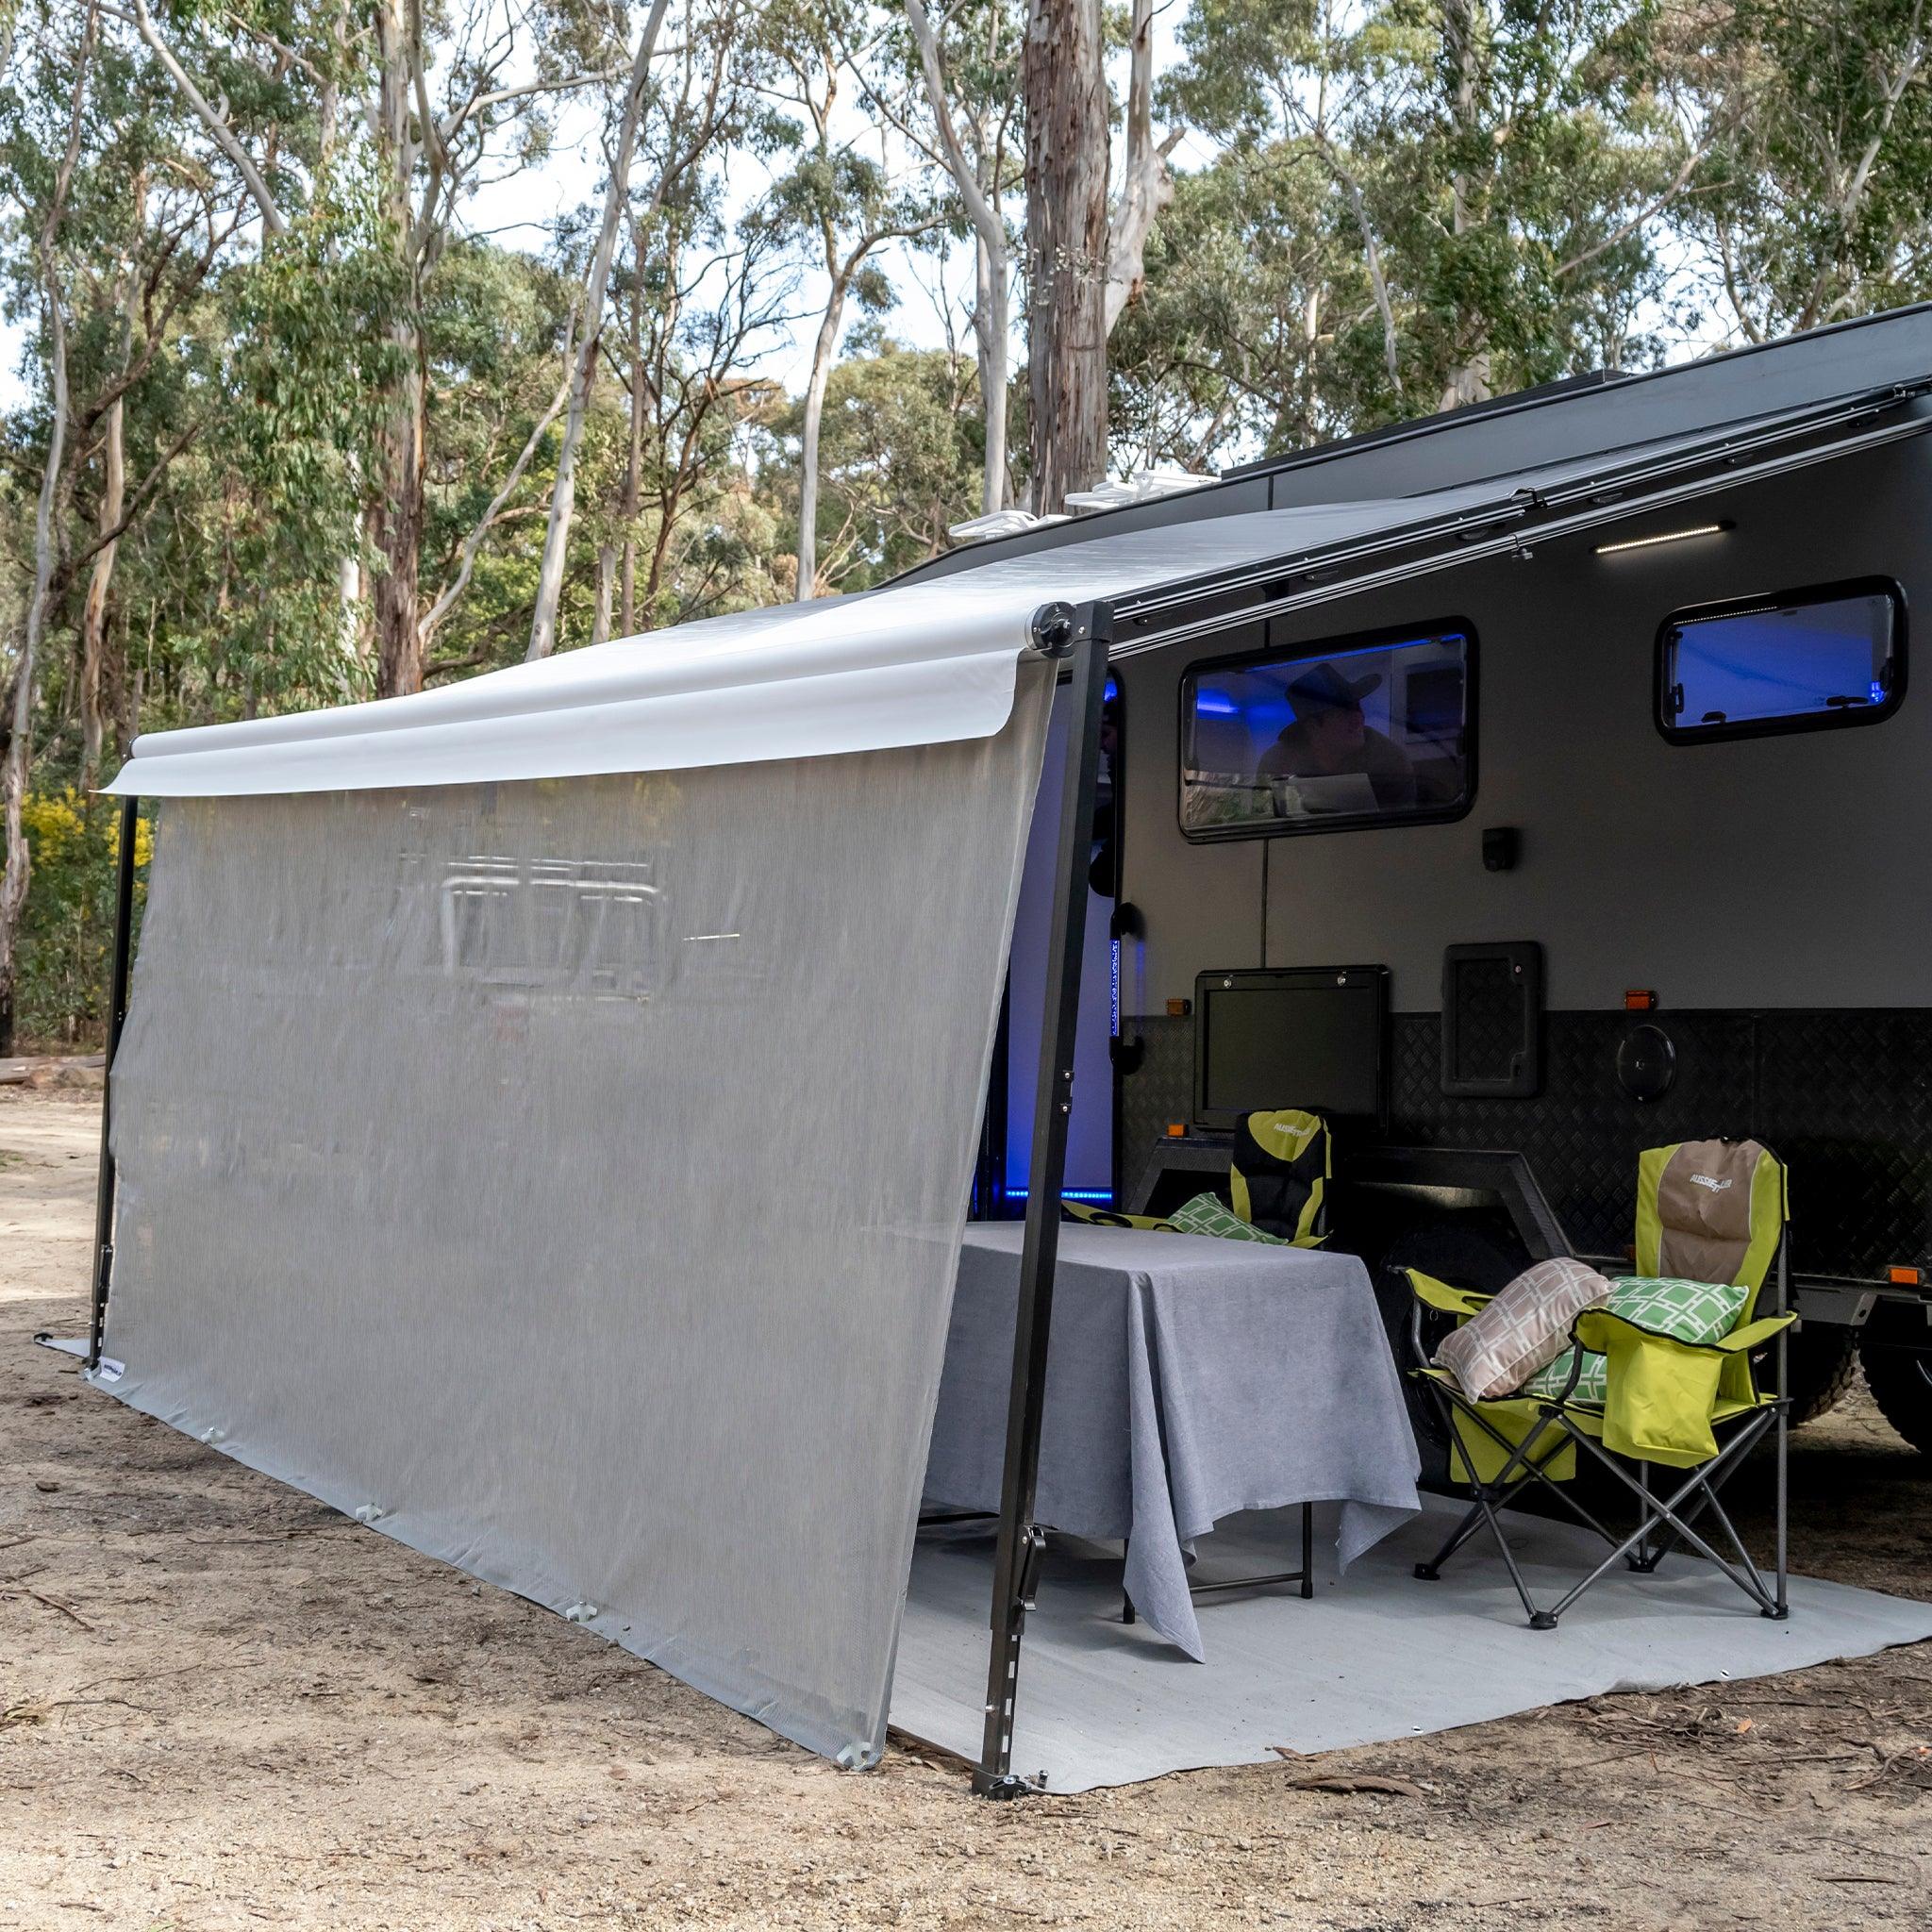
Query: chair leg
point(1643, 1558)
point(1539, 1620)
point(1671, 1513)
point(1782, 1606)
point(1485, 1513)
point(1472, 1522)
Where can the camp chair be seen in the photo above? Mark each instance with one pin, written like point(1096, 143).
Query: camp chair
point(1708, 1211)
point(1279, 1170)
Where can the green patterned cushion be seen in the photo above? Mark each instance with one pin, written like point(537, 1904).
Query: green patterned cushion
point(1689, 1310)
point(1204, 1214)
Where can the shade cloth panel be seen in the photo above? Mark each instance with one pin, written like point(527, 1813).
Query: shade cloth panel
point(1187, 1379)
point(568, 1178)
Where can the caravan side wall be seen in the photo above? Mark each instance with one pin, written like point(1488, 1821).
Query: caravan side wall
point(1768, 890)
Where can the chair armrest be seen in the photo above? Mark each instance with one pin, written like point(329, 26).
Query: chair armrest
point(1755, 1334)
point(1596, 1328)
point(1439, 1294)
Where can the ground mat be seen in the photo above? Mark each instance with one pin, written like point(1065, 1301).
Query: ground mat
point(1375, 1654)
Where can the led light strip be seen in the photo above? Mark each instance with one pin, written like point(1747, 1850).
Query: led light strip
point(1663, 537)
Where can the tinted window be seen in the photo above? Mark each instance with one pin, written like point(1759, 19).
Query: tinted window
point(1809, 657)
point(1359, 733)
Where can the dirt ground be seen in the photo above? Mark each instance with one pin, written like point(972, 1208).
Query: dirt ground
point(221, 1706)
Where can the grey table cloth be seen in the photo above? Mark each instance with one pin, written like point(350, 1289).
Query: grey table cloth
point(1188, 1377)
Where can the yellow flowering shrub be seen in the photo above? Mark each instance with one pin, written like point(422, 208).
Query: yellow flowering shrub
point(67, 927)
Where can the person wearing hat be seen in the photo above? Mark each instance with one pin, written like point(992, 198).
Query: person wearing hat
point(1329, 737)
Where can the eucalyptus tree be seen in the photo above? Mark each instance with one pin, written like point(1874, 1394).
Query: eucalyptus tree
point(843, 196)
point(1456, 196)
point(690, 299)
point(899, 458)
point(443, 101)
point(962, 111)
point(1816, 116)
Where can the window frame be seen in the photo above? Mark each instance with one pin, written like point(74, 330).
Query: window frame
point(1311, 652)
point(1849, 717)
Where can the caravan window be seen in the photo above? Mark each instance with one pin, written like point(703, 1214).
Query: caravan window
point(1360, 731)
point(1790, 662)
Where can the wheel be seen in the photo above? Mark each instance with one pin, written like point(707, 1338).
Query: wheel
point(1900, 1380)
point(1819, 1369)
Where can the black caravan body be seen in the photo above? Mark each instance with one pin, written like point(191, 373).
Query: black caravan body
point(1665, 882)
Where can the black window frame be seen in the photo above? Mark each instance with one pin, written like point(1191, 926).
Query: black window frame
point(1312, 651)
point(1848, 717)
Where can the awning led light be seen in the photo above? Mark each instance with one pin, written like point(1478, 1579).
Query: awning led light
point(1662, 536)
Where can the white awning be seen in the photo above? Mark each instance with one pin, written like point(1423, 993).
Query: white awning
point(931, 660)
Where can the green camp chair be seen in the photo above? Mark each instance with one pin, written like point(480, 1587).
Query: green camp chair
point(1280, 1172)
point(1632, 1396)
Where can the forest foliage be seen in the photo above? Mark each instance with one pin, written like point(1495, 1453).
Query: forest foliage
point(302, 418)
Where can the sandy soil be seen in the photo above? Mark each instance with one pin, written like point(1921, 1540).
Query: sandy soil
point(221, 1706)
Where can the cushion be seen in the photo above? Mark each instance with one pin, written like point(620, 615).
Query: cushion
point(1525, 1327)
point(1204, 1214)
point(1667, 1305)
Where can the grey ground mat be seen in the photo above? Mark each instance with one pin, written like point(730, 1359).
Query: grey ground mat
point(1376, 1655)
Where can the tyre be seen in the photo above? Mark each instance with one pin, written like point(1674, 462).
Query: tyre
point(1900, 1380)
point(1819, 1369)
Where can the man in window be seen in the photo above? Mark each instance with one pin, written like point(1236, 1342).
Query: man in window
point(1330, 744)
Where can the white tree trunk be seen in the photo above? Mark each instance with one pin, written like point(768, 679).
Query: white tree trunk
point(809, 450)
point(991, 314)
point(13, 769)
point(1146, 187)
point(583, 366)
point(94, 610)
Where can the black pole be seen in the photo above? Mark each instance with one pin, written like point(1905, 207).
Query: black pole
point(117, 1012)
point(1082, 636)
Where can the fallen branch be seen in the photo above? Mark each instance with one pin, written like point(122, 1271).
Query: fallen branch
point(1349, 1783)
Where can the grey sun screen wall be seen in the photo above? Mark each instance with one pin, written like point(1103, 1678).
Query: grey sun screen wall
point(568, 1177)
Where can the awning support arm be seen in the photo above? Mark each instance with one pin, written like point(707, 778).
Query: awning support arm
point(1080, 637)
point(117, 1013)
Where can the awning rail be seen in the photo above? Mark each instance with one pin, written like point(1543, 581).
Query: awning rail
point(1583, 498)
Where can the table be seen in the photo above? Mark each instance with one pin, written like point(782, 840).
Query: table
point(1189, 1377)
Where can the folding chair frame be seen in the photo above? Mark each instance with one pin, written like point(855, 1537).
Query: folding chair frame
point(1674, 1515)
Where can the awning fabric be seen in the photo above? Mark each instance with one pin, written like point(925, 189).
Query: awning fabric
point(925, 662)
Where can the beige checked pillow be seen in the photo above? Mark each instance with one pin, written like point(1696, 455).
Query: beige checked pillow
point(1523, 1329)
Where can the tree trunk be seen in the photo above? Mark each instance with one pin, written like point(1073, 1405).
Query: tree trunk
point(808, 451)
point(607, 572)
point(584, 368)
point(397, 522)
point(1066, 248)
point(16, 717)
point(1462, 21)
point(94, 610)
point(992, 327)
point(991, 315)
point(1146, 187)
point(634, 455)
